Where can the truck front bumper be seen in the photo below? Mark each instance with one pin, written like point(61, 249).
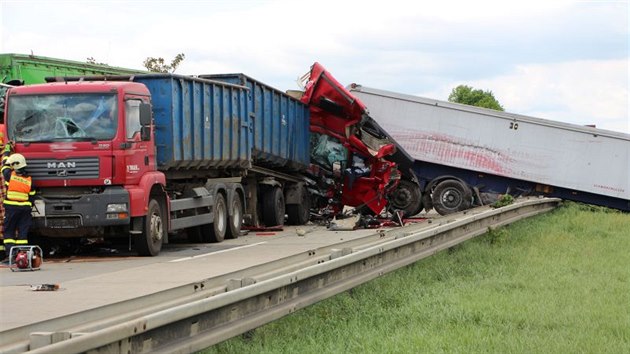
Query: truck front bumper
point(83, 211)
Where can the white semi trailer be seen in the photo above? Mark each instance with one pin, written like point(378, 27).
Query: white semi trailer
point(464, 155)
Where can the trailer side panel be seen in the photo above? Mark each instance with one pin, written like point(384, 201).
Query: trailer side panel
point(515, 146)
point(200, 124)
point(280, 124)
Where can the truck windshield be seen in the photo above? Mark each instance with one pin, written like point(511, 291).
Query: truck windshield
point(74, 117)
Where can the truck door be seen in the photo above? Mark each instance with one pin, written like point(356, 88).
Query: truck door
point(139, 155)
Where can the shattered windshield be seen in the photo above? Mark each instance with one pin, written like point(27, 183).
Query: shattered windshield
point(326, 150)
point(74, 117)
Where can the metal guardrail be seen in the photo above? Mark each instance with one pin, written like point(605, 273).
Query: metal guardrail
point(196, 325)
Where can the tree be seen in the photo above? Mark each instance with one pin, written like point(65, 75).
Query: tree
point(467, 95)
point(157, 65)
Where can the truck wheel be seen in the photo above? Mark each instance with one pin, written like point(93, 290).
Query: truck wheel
point(427, 203)
point(451, 196)
point(235, 218)
point(273, 207)
point(299, 214)
point(407, 197)
point(153, 231)
point(215, 232)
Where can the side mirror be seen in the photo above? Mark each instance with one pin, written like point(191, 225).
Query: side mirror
point(145, 114)
point(145, 133)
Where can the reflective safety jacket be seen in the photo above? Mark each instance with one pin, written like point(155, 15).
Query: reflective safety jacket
point(19, 190)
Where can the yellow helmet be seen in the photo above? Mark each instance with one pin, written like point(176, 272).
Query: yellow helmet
point(16, 161)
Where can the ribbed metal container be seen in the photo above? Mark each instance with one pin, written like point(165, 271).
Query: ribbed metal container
point(280, 124)
point(200, 124)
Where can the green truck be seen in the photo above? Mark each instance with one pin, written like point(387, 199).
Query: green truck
point(25, 69)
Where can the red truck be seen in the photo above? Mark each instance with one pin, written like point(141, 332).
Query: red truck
point(144, 156)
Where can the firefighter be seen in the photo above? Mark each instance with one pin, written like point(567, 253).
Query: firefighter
point(3, 254)
point(18, 200)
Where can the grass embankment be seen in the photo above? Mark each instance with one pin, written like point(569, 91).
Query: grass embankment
point(557, 283)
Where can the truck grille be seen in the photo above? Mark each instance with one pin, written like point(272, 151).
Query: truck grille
point(75, 168)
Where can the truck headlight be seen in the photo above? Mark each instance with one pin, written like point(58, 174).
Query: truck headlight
point(117, 208)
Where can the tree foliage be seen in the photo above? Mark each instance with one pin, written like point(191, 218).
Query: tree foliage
point(467, 95)
point(157, 65)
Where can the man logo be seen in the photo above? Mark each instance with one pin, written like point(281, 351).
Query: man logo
point(62, 164)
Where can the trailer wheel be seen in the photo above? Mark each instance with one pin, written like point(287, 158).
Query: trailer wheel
point(215, 232)
point(273, 207)
point(407, 197)
point(236, 217)
point(451, 196)
point(299, 214)
point(153, 231)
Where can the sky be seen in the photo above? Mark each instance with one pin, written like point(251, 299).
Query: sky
point(561, 60)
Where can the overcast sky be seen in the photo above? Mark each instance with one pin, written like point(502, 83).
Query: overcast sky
point(560, 60)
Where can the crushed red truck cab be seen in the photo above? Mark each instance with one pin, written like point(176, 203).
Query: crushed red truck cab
point(372, 164)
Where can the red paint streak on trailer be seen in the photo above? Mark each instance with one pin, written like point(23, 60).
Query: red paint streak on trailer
point(444, 149)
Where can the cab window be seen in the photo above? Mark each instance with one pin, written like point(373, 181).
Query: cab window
point(132, 107)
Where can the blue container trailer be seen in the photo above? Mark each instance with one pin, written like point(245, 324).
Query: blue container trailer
point(201, 126)
point(229, 125)
point(280, 124)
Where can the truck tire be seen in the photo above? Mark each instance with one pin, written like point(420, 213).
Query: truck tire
point(235, 218)
point(216, 231)
point(273, 207)
point(451, 196)
point(407, 197)
point(153, 231)
point(299, 214)
point(427, 203)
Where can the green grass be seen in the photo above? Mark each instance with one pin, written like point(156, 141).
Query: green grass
point(556, 283)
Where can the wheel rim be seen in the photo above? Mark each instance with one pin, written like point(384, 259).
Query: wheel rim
point(402, 198)
point(236, 214)
point(156, 227)
point(451, 198)
point(221, 212)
